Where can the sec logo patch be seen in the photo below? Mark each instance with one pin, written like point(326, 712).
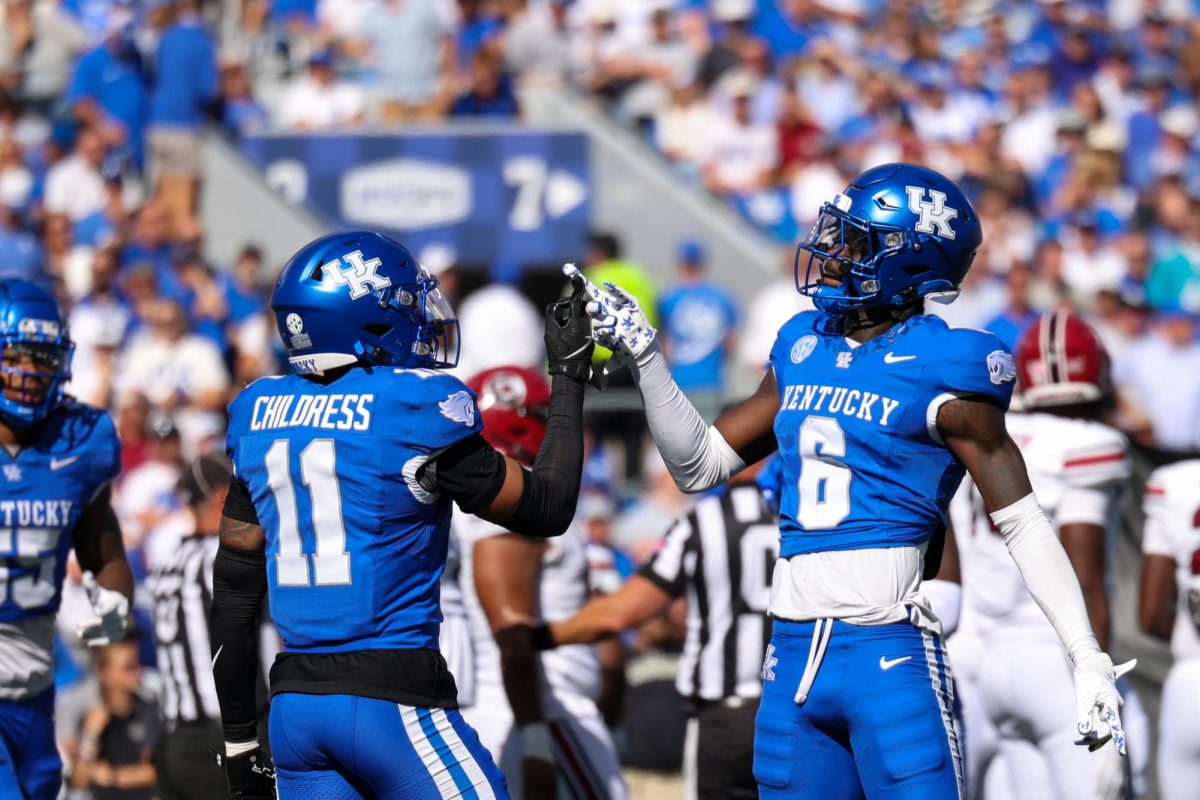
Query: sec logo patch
point(803, 348)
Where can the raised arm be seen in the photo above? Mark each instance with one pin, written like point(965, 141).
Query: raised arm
point(239, 584)
point(699, 456)
point(974, 431)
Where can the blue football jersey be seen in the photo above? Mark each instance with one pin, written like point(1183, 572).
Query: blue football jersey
point(355, 547)
point(47, 484)
point(863, 463)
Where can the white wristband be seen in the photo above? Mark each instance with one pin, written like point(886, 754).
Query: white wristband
point(696, 454)
point(233, 749)
point(535, 742)
point(1048, 573)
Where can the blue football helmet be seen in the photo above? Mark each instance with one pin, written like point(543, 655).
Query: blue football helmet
point(361, 297)
point(36, 353)
point(896, 234)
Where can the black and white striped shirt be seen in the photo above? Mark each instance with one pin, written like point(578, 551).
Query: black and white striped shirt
point(182, 589)
point(721, 555)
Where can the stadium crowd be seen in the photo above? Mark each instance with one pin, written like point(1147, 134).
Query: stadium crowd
point(1072, 125)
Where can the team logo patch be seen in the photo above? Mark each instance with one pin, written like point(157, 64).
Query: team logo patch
point(294, 323)
point(935, 215)
point(803, 348)
point(459, 407)
point(843, 360)
point(361, 276)
point(12, 473)
point(1001, 368)
point(769, 662)
point(504, 389)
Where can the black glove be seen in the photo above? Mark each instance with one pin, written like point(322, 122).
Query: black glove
point(568, 336)
point(250, 775)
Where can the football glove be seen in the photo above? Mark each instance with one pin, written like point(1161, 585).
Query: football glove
point(568, 335)
point(618, 322)
point(111, 615)
point(250, 775)
point(1098, 702)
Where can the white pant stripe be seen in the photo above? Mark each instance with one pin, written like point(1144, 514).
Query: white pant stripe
point(433, 764)
point(945, 698)
point(460, 752)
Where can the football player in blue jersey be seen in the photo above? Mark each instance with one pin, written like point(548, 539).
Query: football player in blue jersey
point(340, 510)
point(60, 457)
point(877, 410)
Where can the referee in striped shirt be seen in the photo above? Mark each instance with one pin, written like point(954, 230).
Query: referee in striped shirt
point(182, 589)
point(720, 557)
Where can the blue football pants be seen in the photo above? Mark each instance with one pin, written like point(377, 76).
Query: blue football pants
point(29, 764)
point(878, 721)
point(344, 747)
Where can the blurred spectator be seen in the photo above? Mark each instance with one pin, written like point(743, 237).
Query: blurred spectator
point(741, 155)
point(478, 30)
point(1174, 279)
point(98, 325)
point(826, 88)
point(181, 582)
point(241, 114)
point(65, 261)
point(183, 94)
point(651, 69)
point(145, 494)
point(683, 125)
point(604, 263)
point(112, 757)
point(178, 371)
point(698, 322)
point(408, 43)
point(733, 20)
point(1089, 263)
point(243, 284)
point(75, 186)
point(20, 252)
point(643, 522)
point(108, 88)
point(1010, 323)
point(318, 99)
point(490, 93)
point(771, 306)
point(537, 41)
point(39, 42)
point(132, 412)
point(1165, 415)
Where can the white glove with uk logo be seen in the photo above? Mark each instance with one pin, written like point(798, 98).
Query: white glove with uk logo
point(111, 615)
point(618, 322)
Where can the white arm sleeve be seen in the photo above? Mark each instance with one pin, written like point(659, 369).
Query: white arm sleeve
point(696, 454)
point(1048, 573)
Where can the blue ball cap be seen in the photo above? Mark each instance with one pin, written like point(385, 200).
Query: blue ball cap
point(691, 252)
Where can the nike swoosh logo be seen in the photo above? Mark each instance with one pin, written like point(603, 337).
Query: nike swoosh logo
point(885, 665)
point(216, 656)
point(892, 358)
point(59, 463)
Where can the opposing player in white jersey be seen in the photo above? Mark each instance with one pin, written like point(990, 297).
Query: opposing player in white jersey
point(1170, 609)
point(1078, 468)
point(536, 713)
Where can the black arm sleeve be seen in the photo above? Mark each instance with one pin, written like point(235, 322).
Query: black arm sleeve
point(471, 471)
point(238, 504)
point(551, 490)
point(239, 583)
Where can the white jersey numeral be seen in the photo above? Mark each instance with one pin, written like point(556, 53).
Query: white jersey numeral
point(35, 589)
point(318, 470)
point(824, 481)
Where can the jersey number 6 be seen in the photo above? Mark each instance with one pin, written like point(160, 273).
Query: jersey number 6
point(824, 481)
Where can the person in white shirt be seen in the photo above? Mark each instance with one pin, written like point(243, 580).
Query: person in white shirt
point(741, 154)
point(318, 100)
point(75, 186)
point(1158, 376)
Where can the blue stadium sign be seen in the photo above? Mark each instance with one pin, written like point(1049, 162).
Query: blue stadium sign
point(496, 194)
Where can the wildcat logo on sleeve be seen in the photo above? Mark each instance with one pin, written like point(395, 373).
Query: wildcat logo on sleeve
point(459, 407)
point(1001, 368)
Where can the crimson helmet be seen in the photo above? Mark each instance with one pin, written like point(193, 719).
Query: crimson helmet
point(1060, 361)
point(513, 403)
